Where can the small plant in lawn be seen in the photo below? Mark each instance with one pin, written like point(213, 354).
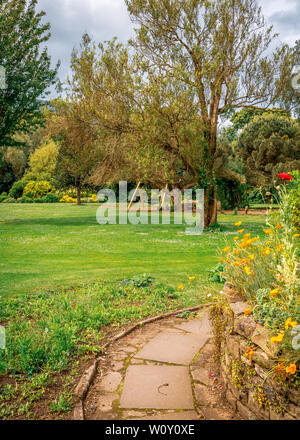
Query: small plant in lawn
point(63, 403)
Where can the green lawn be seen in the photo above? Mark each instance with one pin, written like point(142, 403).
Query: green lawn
point(51, 331)
point(51, 245)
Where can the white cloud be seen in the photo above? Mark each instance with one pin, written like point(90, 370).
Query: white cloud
point(104, 19)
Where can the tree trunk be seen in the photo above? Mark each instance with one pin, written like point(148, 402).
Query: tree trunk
point(78, 195)
point(210, 206)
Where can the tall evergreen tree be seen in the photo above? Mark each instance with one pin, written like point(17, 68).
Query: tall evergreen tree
point(27, 67)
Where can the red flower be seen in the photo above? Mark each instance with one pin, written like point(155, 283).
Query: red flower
point(285, 176)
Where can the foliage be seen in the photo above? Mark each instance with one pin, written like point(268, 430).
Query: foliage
point(266, 271)
point(138, 281)
point(232, 193)
point(79, 149)
point(217, 50)
point(42, 163)
point(27, 66)
point(294, 200)
point(51, 198)
point(37, 190)
point(269, 144)
point(67, 199)
point(17, 189)
point(17, 158)
point(57, 325)
point(7, 177)
point(216, 274)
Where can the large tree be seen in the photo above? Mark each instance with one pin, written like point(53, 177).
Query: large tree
point(27, 67)
point(217, 48)
point(79, 151)
point(268, 145)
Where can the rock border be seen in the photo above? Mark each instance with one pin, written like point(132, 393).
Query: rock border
point(88, 376)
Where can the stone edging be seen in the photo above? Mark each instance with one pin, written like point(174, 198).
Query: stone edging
point(87, 378)
point(249, 387)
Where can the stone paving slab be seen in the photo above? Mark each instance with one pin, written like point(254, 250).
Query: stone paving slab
point(201, 328)
point(157, 387)
point(182, 415)
point(171, 348)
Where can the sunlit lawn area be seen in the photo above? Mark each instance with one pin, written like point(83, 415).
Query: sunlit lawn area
point(50, 245)
point(63, 282)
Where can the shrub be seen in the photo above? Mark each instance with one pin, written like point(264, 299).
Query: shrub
point(51, 198)
point(67, 199)
point(25, 199)
point(294, 199)
point(9, 200)
point(17, 189)
point(38, 190)
point(3, 197)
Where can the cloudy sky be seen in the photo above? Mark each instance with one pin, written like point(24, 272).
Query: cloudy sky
point(104, 19)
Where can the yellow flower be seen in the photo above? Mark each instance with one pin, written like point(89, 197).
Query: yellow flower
point(247, 311)
point(180, 287)
point(227, 249)
point(236, 263)
point(267, 231)
point(278, 338)
point(266, 251)
point(241, 231)
point(296, 235)
point(279, 247)
point(247, 270)
point(236, 238)
point(279, 226)
point(290, 323)
point(291, 369)
point(236, 252)
point(238, 224)
point(247, 235)
point(192, 278)
point(274, 292)
point(252, 257)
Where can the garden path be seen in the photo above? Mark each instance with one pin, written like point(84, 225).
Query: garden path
point(161, 371)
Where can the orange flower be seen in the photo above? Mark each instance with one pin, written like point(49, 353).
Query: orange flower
point(274, 292)
point(221, 260)
point(296, 235)
point(181, 287)
point(247, 235)
point(238, 224)
point(279, 226)
point(279, 247)
point(236, 263)
point(291, 369)
point(227, 249)
point(250, 353)
point(252, 257)
point(241, 231)
point(290, 323)
point(268, 231)
point(236, 238)
point(279, 367)
point(236, 252)
point(278, 338)
point(247, 311)
point(266, 251)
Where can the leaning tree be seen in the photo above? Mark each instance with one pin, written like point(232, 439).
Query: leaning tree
point(218, 49)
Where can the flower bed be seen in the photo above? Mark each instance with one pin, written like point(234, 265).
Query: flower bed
point(263, 285)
